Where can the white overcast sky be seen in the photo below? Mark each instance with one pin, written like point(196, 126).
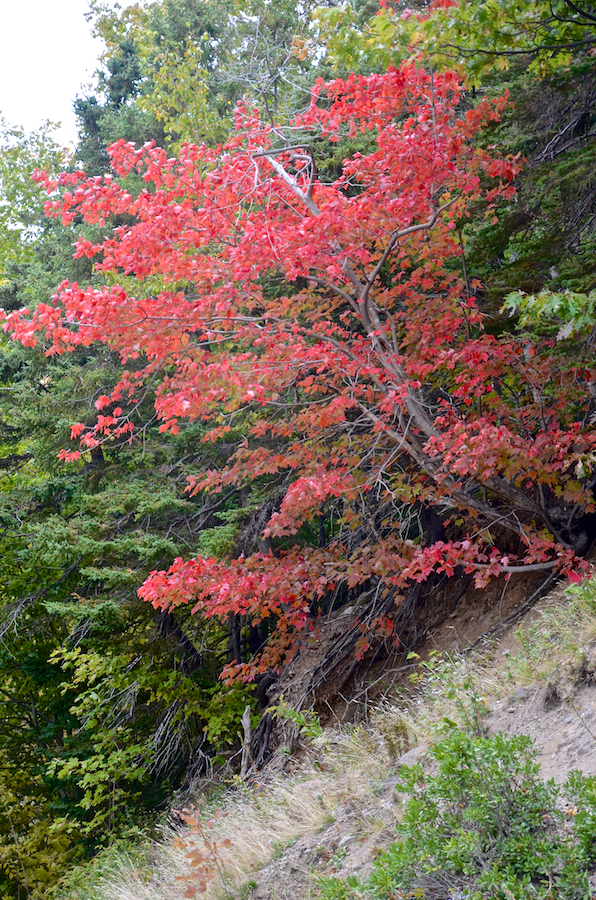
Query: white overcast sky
point(47, 56)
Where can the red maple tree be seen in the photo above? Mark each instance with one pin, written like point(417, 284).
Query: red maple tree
point(331, 317)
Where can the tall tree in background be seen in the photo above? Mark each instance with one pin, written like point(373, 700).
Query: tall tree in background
point(472, 36)
point(173, 70)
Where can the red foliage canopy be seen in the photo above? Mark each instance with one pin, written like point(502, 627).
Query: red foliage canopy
point(332, 318)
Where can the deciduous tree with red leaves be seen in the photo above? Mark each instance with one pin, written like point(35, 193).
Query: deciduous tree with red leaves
point(335, 319)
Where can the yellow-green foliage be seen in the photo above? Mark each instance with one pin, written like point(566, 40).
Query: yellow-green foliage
point(35, 846)
point(179, 98)
point(475, 37)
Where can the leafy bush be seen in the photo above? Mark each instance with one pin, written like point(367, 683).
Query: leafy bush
point(485, 826)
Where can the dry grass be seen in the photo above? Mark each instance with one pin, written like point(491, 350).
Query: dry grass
point(261, 820)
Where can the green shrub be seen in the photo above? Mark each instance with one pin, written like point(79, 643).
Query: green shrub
point(485, 826)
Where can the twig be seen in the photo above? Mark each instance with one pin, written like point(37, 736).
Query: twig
point(246, 755)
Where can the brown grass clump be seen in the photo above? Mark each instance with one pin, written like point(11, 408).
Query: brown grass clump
point(259, 821)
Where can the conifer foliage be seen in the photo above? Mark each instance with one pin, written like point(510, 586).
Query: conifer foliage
point(333, 317)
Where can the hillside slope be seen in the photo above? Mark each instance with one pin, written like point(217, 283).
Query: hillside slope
point(324, 812)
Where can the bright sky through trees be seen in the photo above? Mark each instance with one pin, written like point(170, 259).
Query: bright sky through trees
point(47, 55)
